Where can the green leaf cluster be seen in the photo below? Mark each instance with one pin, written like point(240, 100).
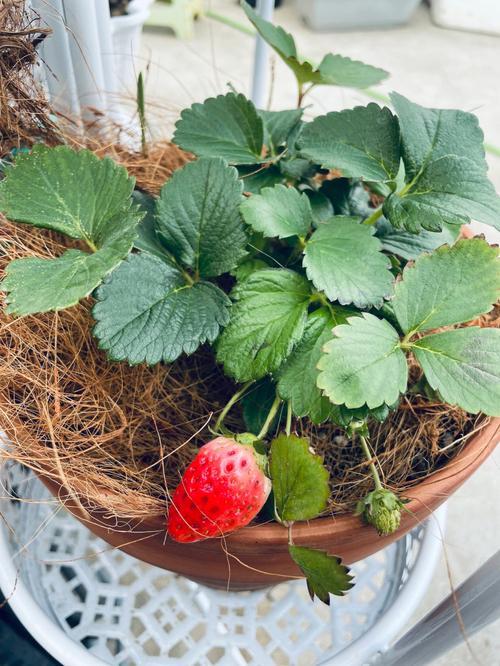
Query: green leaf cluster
point(314, 257)
point(365, 362)
point(81, 197)
point(161, 302)
point(333, 70)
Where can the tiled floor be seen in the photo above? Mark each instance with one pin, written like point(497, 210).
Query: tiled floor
point(432, 66)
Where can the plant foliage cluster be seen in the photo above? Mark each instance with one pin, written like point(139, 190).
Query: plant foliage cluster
point(268, 248)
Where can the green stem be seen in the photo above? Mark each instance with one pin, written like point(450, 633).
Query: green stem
point(405, 342)
point(141, 110)
point(215, 16)
point(233, 400)
point(270, 418)
point(369, 457)
point(290, 539)
point(288, 428)
point(302, 93)
point(91, 245)
point(317, 297)
point(374, 216)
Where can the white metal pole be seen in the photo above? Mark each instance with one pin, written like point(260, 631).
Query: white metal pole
point(260, 76)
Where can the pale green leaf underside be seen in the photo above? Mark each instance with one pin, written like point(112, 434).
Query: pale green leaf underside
point(278, 125)
point(411, 246)
point(267, 319)
point(464, 366)
point(363, 364)
point(72, 192)
point(278, 211)
point(339, 70)
point(198, 217)
point(343, 258)
point(451, 285)
point(447, 172)
point(147, 313)
point(325, 573)
point(226, 126)
point(300, 481)
point(40, 285)
point(346, 140)
point(299, 373)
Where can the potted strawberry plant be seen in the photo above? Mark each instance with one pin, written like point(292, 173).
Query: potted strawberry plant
point(319, 265)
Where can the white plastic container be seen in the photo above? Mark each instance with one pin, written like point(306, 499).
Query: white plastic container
point(356, 14)
point(471, 15)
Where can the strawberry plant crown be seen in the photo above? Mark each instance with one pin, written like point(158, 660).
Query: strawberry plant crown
point(268, 246)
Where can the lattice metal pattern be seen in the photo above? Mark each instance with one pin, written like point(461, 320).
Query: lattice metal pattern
point(131, 614)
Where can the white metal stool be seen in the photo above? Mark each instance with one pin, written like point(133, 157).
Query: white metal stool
point(88, 605)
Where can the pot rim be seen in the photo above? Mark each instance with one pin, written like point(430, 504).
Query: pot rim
point(422, 496)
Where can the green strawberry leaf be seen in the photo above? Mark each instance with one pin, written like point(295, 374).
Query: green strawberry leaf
point(450, 286)
point(464, 366)
point(198, 217)
point(73, 192)
point(343, 258)
point(325, 574)
point(298, 375)
point(284, 45)
point(254, 178)
point(411, 246)
point(337, 70)
point(347, 198)
point(446, 170)
point(278, 126)
point(333, 69)
point(40, 285)
point(247, 267)
point(344, 416)
point(363, 364)
point(257, 403)
point(146, 312)
point(430, 134)
point(226, 126)
point(300, 481)
point(278, 211)
point(452, 190)
point(267, 320)
point(147, 238)
point(321, 206)
point(346, 140)
point(77, 194)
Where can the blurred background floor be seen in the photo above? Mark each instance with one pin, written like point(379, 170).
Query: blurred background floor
point(431, 66)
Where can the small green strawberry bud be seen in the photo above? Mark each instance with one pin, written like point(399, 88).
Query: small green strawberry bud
point(382, 509)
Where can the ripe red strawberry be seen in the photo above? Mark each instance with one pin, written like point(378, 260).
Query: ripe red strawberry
point(222, 490)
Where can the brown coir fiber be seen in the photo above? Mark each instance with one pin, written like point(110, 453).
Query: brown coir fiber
point(119, 435)
point(24, 112)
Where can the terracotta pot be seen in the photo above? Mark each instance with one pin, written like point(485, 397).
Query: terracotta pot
point(257, 556)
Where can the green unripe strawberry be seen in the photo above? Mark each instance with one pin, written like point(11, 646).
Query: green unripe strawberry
point(382, 509)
